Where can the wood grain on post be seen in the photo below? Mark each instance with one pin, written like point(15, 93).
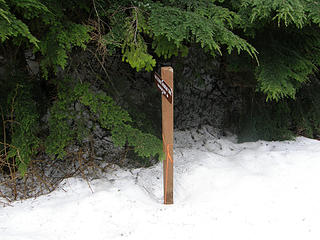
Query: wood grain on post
point(167, 134)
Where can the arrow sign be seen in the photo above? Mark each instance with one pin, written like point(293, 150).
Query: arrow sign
point(164, 88)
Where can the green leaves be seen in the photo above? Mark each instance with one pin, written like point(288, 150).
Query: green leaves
point(29, 8)
point(286, 37)
point(136, 54)
point(285, 34)
point(24, 126)
point(10, 26)
point(104, 110)
point(165, 48)
point(207, 24)
point(56, 34)
point(171, 28)
point(112, 117)
point(288, 59)
point(59, 41)
point(312, 9)
point(286, 12)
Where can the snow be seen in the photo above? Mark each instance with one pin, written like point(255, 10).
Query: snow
point(222, 190)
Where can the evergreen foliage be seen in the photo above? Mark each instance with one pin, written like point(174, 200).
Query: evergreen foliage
point(118, 121)
point(172, 25)
point(10, 26)
point(275, 44)
point(60, 40)
point(66, 127)
point(48, 29)
point(24, 142)
point(305, 111)
point(284, 119)
point(286, 35)
point(20, 124)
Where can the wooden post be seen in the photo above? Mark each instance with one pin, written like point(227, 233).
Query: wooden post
point(167, 135)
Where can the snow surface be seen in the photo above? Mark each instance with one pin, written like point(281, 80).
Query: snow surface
point(222, 190)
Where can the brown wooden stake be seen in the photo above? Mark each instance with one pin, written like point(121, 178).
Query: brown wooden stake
point(167, 135)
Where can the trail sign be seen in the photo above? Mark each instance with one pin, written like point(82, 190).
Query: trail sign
point(164, 88)
point(165, 85)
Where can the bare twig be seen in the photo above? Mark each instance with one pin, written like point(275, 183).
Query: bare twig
point(81, 170)
point(136, 25)
point(105, 71)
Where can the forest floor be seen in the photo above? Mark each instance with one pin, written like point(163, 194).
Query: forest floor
point(222, 190)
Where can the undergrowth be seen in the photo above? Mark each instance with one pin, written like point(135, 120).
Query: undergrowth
point(24, 142)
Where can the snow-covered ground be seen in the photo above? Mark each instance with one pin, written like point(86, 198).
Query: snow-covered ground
point(222, 190)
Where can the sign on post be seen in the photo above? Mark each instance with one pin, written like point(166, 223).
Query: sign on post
point(165, 85)
point(164, 88)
